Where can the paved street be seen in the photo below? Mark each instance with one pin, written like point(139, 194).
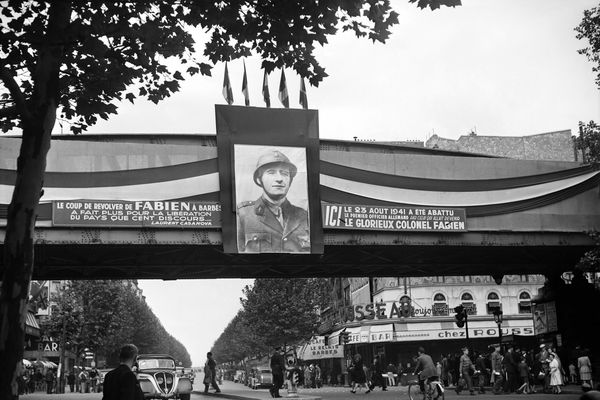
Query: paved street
point(240, 392)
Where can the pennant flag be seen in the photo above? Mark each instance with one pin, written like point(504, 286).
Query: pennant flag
point(283, 93)
point(245, 87)
point(303, 97)
point(227, 92)
point(265, 90)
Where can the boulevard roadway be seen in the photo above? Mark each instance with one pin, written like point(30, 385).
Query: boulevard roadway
point(235, 391)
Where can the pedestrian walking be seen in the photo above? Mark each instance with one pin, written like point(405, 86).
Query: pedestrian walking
point(121, 383)
point(497, 377)
point(524, 375)
point(93, 379)
point(358, 376)
point(210, 371)
point(71, 381)
point(480, 372)
point(277, 370)
point(84, 381)
point(572, 373)
point(556, 380)
point(585, 370)
point(377, 373)
point(49, 379)
point(466, 368)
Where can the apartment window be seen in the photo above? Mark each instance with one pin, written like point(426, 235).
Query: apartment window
point(467, 302)
point(524, 303)
point(493, 303)
point(440, 305)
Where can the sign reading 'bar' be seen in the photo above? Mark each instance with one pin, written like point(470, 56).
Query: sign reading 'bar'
point(389, 218)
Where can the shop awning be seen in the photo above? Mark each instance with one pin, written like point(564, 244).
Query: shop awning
point(316, 349)
point(45, 364)
point(31, 325)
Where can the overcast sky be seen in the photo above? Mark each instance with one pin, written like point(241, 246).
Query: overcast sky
point(498, 67)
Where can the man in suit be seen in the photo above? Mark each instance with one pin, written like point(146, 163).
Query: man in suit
point(271, 224)
point(121, 383)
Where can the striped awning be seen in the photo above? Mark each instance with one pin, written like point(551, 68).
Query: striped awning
point(31, 325)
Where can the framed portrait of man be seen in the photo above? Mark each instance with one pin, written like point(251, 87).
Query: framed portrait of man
point(271, 189)
point(268, 162)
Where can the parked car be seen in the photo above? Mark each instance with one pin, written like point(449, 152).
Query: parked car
point(159, 378)
point(261, 378)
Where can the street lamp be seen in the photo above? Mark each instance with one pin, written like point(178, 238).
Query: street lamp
point(498, 319)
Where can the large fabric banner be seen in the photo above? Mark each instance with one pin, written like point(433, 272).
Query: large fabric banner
point(269, 180)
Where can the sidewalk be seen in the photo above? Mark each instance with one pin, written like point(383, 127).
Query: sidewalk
point(238, 391)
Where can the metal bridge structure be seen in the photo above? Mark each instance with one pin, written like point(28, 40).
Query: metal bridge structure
point(520, 216)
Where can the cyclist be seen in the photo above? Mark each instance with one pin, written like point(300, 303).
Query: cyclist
point(426, 371)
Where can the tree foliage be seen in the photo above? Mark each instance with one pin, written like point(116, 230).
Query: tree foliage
point(588, 142)
point(104, 315)
point(111, 51)
point(589, 28)
point(274, 312)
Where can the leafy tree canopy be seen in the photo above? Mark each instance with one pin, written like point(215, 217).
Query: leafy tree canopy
point(104, 315)
point(110, 51)
point(589, 28)
point(283, 311)
point(588, 142)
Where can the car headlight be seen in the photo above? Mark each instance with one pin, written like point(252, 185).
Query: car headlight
point(159, 380)
point(169, 380)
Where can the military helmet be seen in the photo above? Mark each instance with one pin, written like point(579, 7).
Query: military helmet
point(273, 157)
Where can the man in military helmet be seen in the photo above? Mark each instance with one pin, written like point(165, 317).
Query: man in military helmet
point(271, 224)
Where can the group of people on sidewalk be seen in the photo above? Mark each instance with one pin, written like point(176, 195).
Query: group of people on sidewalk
point(515, 371)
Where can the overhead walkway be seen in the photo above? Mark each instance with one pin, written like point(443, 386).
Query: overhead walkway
point(520, 217)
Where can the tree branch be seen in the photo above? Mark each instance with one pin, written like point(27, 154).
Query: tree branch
point(15, 92)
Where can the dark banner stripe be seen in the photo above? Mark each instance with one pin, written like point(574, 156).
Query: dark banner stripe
point(197, 168)
point(446, 185)
point(335, 196)
point(120, 178)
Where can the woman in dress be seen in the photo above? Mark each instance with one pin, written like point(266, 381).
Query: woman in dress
point(585, 369)
point(556, 380)
point(358, 374)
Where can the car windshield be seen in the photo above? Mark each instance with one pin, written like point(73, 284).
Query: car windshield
point(152, 363)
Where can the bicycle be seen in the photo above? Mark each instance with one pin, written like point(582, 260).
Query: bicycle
point(434, 390)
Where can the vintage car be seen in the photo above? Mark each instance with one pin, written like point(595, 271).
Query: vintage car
point(261, 378)
point(158, 378)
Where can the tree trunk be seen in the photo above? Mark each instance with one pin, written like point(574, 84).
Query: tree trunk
point(37, 121)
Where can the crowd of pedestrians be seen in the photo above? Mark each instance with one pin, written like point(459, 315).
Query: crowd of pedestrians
point(515, 371)
point(46, 379)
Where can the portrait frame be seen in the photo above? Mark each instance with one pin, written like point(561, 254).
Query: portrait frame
point(266, 128)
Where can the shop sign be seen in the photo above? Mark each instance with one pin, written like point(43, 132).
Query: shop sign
point(392, 218)
point(316, 349)
point(384, 310)
point(135, 214)
point(449, 334)
point(47, 344)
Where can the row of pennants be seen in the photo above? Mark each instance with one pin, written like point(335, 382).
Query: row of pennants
point(283, 92)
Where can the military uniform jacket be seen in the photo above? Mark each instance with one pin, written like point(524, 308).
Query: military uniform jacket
point(259, 231)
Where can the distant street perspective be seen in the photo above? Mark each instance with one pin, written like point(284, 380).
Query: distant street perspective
point(300, 199)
